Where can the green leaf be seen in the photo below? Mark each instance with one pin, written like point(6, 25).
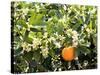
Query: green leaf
point(32, 19)
point(52, 53)
point(41, 68)
point(28, 56)
point(90, 25)
point(35, 30)
point(22, 23)
point(36, 19)
point(26, 37)
point(83, 49)
point(31, 34)
point(37, 55)
point(29, 40)
point(18, 51)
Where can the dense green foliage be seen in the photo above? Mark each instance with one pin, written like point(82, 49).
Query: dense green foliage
point(41, 30)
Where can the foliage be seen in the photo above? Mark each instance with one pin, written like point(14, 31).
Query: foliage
point(41, 30)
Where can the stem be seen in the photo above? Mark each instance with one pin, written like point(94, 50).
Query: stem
point(78, 65)
point(69, 65)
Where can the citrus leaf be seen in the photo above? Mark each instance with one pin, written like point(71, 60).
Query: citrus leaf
point(22, 22)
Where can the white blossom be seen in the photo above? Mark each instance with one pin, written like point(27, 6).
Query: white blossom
point(59, 69)
point(51, 39)
point(61, 37)
point(68, 32)
point(65, 7)
point(44, 51)
point(85, 63)
point(88, 30)
point(45, 35)
point(36, 42)
point(75, 38)
point(57, 44)
point(75, 33)
point(26, 46)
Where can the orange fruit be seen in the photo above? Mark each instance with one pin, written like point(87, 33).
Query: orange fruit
point(68, 53)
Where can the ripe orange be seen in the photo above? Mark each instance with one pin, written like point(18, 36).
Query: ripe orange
point(68, 53)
